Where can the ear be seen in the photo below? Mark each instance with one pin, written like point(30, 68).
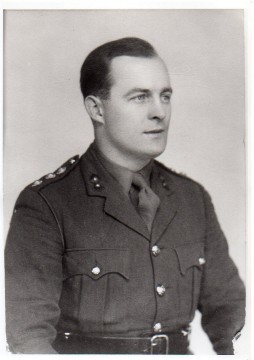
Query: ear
point(93, 106)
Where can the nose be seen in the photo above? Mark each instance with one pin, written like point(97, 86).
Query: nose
point(157, 110)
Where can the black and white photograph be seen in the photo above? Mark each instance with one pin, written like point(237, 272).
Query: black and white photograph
point(124, 177)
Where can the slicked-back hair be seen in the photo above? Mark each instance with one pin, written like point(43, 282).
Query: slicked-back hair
point(95, 76)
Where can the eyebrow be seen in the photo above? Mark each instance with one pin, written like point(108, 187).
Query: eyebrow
point(147, 91)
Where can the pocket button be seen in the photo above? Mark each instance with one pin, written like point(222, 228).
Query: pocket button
point(96, 270)
point(201, 261)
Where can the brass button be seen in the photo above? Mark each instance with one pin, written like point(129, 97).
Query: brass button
point(37, 182)
point(160, 290)
point(50, 176)
point(96, 270)
point(72, 161)
point(157, 327)
point(155, 250)
point(97, 186)
point(201, 261)
point(61, 170)
point(184, 332)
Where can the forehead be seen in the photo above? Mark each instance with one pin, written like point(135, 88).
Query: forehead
point(130, 71)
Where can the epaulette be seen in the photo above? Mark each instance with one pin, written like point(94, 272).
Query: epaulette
point(178, 174)
point(58, 174)
point(172, 171)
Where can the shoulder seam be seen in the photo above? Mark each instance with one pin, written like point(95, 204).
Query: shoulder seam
point(54, 214)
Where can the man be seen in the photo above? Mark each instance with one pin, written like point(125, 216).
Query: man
point(113, 252)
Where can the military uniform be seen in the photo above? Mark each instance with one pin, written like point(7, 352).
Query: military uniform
point(79, 260)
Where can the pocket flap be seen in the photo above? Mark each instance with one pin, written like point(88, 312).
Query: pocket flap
point(96, 262)
point(190, 255)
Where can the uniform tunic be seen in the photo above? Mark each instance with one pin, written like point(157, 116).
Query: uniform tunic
point(80, 259)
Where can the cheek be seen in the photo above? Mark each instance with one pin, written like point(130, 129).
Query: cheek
point(124, 120)
point(169, 112)
point(114, 114)
point(118, 126)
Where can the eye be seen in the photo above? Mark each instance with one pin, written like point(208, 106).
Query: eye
point(166, 98)
point(140, 98)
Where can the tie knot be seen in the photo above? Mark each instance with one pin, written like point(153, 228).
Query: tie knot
point(139, 181)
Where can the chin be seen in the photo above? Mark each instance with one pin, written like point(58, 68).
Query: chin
point(157, 150)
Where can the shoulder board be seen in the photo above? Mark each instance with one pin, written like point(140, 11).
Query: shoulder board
point(177, 174)
point(172, 171)
point(59, 173)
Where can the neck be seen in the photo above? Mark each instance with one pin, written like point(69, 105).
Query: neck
point(127, 161)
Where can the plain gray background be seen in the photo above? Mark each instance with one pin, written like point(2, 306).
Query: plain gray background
point(45, 122)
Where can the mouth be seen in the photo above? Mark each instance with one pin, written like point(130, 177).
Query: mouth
point(154, 131)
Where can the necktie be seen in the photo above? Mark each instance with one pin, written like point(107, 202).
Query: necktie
point(148, 201)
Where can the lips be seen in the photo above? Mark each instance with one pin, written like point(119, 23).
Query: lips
point(154, 131)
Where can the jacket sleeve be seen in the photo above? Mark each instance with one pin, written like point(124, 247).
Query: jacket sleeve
point(222, 299)
point(33, 269)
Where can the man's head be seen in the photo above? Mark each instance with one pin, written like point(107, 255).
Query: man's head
point(130, 103)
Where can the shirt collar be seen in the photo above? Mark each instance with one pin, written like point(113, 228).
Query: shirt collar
point(121, 174)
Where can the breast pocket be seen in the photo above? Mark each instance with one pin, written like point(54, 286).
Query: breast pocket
point(95, 280)
point(191, 261)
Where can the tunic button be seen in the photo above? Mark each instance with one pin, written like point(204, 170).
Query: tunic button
point(72, 161)
point(155, 250)
point(157, 327)
point(61, 170)
point(201, 261)
point(161, 290)
point(96, 270)
point(97, 186)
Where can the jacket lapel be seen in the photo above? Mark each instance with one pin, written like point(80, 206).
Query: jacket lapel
point(100, 183)
point(163, 186)
point(120, 207)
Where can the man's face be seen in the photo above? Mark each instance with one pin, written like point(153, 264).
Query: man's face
point(137, 113)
